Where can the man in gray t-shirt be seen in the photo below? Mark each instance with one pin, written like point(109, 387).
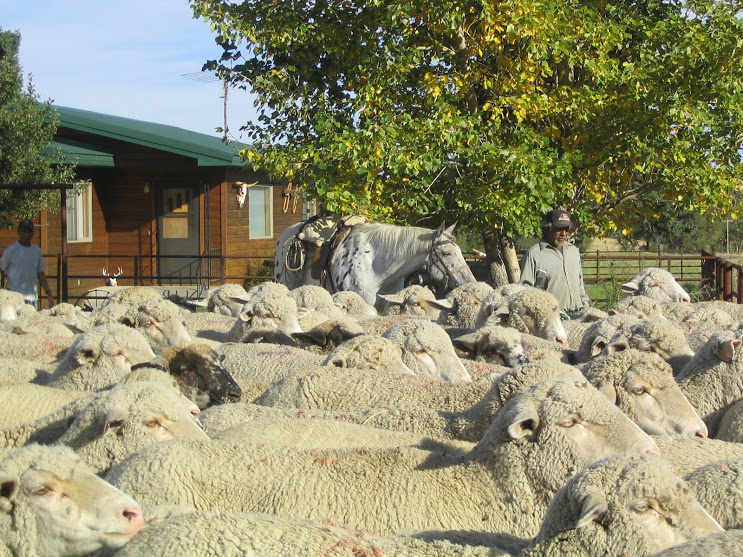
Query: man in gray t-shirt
point(553, 264)
point(22, 265)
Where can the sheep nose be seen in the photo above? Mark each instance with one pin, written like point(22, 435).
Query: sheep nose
point(701, 433)
point(562, 340)
point(134, 516)
point(653, 449)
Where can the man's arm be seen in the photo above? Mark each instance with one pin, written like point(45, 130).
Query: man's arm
point(528, 270)
point(45, 286)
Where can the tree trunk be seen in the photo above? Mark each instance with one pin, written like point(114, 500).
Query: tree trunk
point(501, 253)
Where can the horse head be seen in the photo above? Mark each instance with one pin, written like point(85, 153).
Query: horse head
point(445, 263)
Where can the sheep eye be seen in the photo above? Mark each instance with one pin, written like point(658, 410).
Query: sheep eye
point(639, 391)
point(153, 424)
point(571, 422)
point(42, 490)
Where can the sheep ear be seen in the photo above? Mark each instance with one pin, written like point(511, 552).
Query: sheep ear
point(630, 287)
point(594, 509)
point(502, 311)
point(727, 350)
point(608, 390)
point(87, 353)
point(524, 424)
point(337, 362)
point(466, 343)
point(240, 299)
point(312, 336)
point(301, 312)
point(597, 347)
point(127, 320)
point(245, 316)
point(8, 491)
point(442, 304)
point(115, 420)
point(391, 298)
point(617, 346)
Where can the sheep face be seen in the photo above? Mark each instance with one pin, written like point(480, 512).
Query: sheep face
point(64, 508)
point(10, 304)
point(202, 378)
point(626, 504)
point(657, 284)
point(162, 324)
point(532, 311)
point(495, 345)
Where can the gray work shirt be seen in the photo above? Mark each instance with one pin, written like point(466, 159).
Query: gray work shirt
point(557, 272)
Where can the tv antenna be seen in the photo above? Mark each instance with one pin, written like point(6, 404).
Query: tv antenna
point(210, 77)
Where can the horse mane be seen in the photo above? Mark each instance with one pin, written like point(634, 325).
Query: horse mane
point(391, 238)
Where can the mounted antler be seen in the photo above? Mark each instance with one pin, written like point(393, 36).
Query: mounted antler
point(111, 279)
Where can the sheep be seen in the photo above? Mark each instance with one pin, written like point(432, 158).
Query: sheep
point(465, 301)
point(316, 298)
point(334, 388)
point(328, 335)
point(689, 453)
point(226, 299)
point(658, 284)
point(642, 385)
point(10, 304)
point(531, 311)
point(493, 344)
point(120, 421)
point(267, 311)
point(731, 427)
point(220, 533)
point(378, 325)
point(716, 545)
point(52, 504)
point(640, 306)
point(199, 374)
point(599, 334)
point(719, 488)
point(96, 359)
point(494, 300)
point(626, 504)
point(255, 367)
point(37, 348)
point(540, 438)
point(655, 335)
point(712, 380)
point(319, 433)
point(369, 352)
point(469, 424)
point(209, 327)
point(25, 403)
point(414, 300)
point(59, 320)
point(17, 371)
point(352, 303)
point(428, 350)
point(132, 295)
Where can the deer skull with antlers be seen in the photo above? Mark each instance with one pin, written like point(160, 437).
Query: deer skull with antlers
point(111, 279)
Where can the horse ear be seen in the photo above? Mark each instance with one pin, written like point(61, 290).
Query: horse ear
point(450, 230)
point(441, 228)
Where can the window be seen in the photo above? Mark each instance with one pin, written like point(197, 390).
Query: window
point(260, 203)
point(80, 215)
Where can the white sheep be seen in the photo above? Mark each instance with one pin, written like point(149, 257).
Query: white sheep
point(532, 311)
point(725, 544)
point(267, 311)
point(689, 453)
point(711, 381)
point(640, 306)
point(207, 326)
point(654, 335)
point(226, 299)
point(494, 300)
point(658, 284)
point(369, 352)
point(719, 488)
point(23, 403)
point(428, 350)
point(626, 504)
point(415, 301)
point(465, 301)
point(52, 504)
point(642, 385)
point(599, 334)
point(132, 295)
point(37, 348)
point(539, 439)
point(352, 303)
point(10, 304)
point(118, 422)
point(493, 344)
point(98, 358)
point(335, 388)
point(316, 298)
point(731, 424)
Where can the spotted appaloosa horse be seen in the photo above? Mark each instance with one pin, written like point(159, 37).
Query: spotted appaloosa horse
point(375, 259)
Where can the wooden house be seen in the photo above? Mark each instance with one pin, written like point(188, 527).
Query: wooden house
point(164, 204)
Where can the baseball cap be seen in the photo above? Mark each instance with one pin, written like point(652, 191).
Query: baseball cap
point(559, 218)
point(25, 224)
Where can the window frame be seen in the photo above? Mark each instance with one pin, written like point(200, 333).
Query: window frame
point(267, 229)
point(81, 202)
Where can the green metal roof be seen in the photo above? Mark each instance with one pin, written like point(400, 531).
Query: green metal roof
point(67, 151)
point(208, 150)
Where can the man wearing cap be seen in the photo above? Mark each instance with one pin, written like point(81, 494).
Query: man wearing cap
point(22, 265)
point(553, 264)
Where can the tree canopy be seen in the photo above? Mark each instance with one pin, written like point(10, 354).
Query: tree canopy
point(491, 112)
point(27, 127)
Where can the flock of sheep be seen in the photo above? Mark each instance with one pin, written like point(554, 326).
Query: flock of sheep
point(296, 422)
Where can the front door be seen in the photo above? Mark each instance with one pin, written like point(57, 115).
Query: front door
point(177, 233)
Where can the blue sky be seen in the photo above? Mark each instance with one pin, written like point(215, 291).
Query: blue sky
point(126, 58)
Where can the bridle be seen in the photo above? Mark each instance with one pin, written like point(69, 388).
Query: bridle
point(433, 260)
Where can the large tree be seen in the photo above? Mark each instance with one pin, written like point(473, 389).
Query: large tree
point(27, 128)
point(490, 112)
